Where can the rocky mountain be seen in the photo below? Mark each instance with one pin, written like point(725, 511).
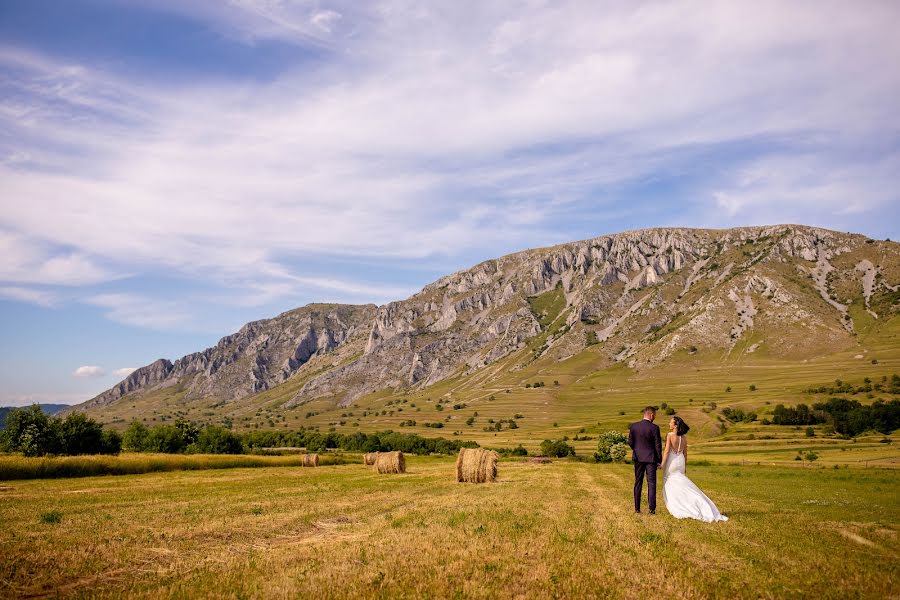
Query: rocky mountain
point(789, 291)
point(259, 356)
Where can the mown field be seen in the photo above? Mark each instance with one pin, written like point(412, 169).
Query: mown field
point(562, 530)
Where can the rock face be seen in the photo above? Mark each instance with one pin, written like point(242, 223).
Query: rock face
point(259, 356)
point(645, 294)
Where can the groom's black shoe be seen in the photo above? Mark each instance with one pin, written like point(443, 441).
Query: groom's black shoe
point(652, 512)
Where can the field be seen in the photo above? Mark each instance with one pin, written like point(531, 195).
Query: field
point(561, 530)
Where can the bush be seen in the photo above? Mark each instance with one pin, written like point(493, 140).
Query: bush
point(52, 517)
point(519, 451)
point(606, 442)
point(618, 452)
point(752, 387)
point(810, 432)
point(737, 415)
point(556, 448)
point(670, 410)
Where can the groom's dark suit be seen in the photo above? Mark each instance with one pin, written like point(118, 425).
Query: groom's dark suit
point(646, 446)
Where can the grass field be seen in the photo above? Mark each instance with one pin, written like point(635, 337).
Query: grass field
point(561, 530)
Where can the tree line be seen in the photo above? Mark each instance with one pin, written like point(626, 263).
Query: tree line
point(33, 433)
point(849, 417)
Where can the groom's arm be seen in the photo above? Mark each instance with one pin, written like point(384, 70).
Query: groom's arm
point(631, 437)
point(658, 442)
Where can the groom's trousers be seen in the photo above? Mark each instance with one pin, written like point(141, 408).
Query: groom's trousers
point(640, 470)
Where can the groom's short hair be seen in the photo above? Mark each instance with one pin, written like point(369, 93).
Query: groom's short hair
point(649, 410)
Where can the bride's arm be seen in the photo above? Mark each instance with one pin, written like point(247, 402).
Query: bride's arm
point(666, 451)
point(684, 452)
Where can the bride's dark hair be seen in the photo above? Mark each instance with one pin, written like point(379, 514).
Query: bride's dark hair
point(681, 427)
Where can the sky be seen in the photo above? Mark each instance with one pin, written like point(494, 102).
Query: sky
point(170, 170)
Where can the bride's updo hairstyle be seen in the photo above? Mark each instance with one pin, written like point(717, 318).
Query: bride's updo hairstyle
point(681, 427)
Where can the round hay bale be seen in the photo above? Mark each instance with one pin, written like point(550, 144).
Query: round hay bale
point(310, 460)
point(369, 458)
point(476, 465)
point(390, 462)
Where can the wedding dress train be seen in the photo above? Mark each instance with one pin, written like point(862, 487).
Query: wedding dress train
point(683, 499)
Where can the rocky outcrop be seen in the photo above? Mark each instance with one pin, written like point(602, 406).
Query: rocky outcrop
point(259, 356)
point(640, 295)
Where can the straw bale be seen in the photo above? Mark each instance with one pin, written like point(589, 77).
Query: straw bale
point(476, 465)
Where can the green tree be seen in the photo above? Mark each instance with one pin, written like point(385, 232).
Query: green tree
point(214, 439)
point(135, 437)
point(81, 435)
point(30, 431)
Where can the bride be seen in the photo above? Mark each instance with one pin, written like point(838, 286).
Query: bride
point(683, 499)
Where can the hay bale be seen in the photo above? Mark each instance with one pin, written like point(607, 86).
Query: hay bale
point(390, 462)
point(476, 465)
point(310, 460)
point(369, 458)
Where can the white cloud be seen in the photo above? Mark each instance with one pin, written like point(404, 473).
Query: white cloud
point(124, 372)
point(141, 311)
point(325, 19)
point(89, 371)
point(32, 296)
point(427, 130)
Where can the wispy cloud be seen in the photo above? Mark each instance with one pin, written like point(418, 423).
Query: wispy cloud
point(436, 130)
point(124, 371)
point(141, 311)
point(29, 295)
point(89, 371)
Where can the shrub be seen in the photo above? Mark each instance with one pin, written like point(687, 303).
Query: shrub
point(606, 442)
point(519, 451)
point(52, 517)
point(752, 387)
point(812, 456)
point(556, 448)
point(810, 432)
point(618, 452)
point(737, 415)
point(670, 410)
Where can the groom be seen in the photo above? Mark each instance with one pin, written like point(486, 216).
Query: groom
point(646, 446)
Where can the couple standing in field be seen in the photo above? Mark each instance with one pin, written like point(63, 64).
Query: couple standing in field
point(683, 499)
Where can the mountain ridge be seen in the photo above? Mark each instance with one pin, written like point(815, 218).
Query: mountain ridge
point(655, 291)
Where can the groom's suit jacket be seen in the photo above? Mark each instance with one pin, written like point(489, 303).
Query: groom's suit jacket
point(645, 442)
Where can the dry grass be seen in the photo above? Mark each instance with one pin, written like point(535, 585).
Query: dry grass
point(14, 466)
point(310, 460)
point(564, 530)
point(390, 462)
point(476, 465)
point(369, 458)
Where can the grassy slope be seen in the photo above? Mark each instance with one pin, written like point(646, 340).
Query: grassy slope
point(560, 530)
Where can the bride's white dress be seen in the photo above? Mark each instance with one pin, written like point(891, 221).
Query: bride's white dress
point(683, 499)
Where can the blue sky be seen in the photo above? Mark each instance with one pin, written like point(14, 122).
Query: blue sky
point(171, 170)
